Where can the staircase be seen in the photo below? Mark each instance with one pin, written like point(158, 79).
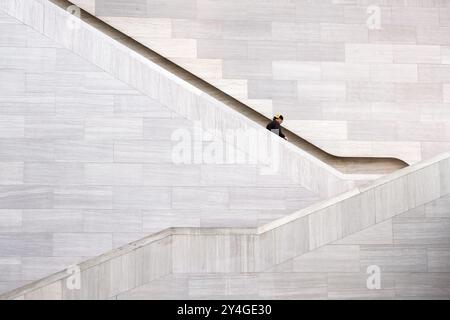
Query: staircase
point(122, 185)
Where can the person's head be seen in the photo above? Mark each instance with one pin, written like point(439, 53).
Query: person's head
point(278, 118)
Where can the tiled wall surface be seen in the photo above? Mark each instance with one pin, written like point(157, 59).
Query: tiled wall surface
point(411, 251)
point(397, 227)
point(351, 83)
point(86, 165)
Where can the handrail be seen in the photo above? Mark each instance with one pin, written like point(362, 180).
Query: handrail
point(261, 248)
point(112, 53)
point(346, 165)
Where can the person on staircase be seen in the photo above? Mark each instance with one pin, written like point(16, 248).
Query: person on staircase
point(275, 126)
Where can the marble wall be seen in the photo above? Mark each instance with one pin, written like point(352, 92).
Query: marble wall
point(355, 77)
point(95, 162)
point(87, 164)
point(398, 225)
point(411, 251)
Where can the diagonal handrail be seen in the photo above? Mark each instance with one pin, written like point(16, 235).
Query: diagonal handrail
point(414, 186)
point(347, 165)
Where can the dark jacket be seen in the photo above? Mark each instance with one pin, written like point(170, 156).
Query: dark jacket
point(275, 127)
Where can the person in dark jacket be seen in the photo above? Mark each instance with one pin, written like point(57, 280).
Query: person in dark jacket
point(275, 126)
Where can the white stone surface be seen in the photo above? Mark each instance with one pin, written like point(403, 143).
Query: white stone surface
point(86, 158)
point(327, 50)
point(274, 258)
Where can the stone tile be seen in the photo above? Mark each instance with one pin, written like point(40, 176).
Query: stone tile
point(79, 105)
point(157, 220)
point(273, 50)
point(246, 30)
point(331, 258)
point(446, 93)
point(10, 269)
point(83, 197)
point(12, 127)
point(294, 286)
point(430, 35)
point(322, 91)
point(200, 198)
point(113, 174)
point(367, 130)
point(269, 89)
point(222, 49)
point(321, 52)
point(223, 286)
point(394, 259)
point(307, 32)
point(25, 244)
point(438, 259)
point(394, 73)
point(226, 218)
point(424, 285)
point(171, 175)
point(16, 82)
point(135, 8)
point(163, 129)
point(80, 244)
point(113, 128)
point(51, 220)
point(27, 103)
point(197, 29)
point(11, 173)
point(394, 34)
point(51, 173)
point(214, 10)
point(247, 69)
point(320, 13)
point(168, 287)
point(175, 9)
point(380, 233)
point(257, 198)
point(416, 54)
point(270, 11)
point(371, 92)
point(29, 59)
point(354, 286)
point(426, 92)
point(15, 150)
point(129, 221)
point(445, 54)
point(84, 150)
point(348, 33)
point(434, 73)
point(10, 220)
point(292, 70)
point(410, 231)
point(416, 16)
point(24, 197)
point(229, 175)
point(369, 53)
point(129, 197)
point(339, 71)
point(139, 106)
